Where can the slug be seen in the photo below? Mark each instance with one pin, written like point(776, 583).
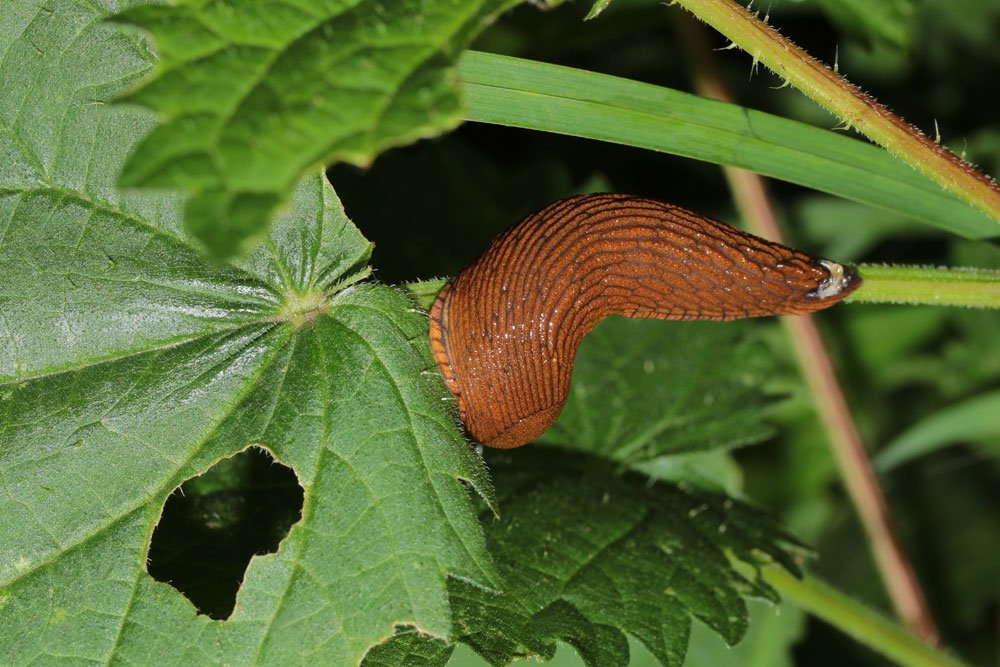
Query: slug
point(505, 330)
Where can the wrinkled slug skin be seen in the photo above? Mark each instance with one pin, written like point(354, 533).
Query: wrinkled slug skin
point(504, 331)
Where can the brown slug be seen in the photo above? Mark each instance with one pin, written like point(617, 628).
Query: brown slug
point(505, 330)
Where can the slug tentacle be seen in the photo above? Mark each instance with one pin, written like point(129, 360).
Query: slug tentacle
point(504, 331)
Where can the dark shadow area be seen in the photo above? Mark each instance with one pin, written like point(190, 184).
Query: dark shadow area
point(213, 524)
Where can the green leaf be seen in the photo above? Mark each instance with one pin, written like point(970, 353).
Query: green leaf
point(596, 9)
point(586, 555)
point(82, 490)
point(642, 389)
point(253, 95)
point(537, 96)
point(972, 420)
point(130, 363)
point(409, 648)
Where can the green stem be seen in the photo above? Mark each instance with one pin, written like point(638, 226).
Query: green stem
point(854, 107)
point(857, 620)
point(973, 288)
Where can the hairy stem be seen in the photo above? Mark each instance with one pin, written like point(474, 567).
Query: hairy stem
point(854, 107)
point(923, 285)
point(855, 467)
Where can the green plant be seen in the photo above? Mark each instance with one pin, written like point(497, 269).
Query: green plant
point(180, 288)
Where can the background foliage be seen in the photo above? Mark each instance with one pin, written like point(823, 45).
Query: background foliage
point(900, 365)
point(130, 363)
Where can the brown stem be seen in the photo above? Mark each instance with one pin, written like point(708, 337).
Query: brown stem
point(754, 204)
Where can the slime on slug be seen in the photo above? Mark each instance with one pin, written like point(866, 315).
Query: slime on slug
point(505, 330)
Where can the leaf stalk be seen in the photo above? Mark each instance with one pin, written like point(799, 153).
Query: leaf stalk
point(928, 285)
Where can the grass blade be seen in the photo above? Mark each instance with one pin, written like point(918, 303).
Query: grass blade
point(538, 96)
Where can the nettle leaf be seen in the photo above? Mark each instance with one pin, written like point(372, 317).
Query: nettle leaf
point(130, 363)
point(587, 555)
point(93, 441)
point(642, 389)
point(410, 648)
point(774, 631)
point(253, 94)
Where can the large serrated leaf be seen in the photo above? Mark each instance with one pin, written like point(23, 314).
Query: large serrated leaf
point(253, 94)
point(129, 363)
point(586, 555)
point(91, 449)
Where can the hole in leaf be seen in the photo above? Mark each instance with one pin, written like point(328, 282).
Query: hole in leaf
point(213, 524)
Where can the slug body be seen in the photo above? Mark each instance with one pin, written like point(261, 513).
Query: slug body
point(504, 331)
